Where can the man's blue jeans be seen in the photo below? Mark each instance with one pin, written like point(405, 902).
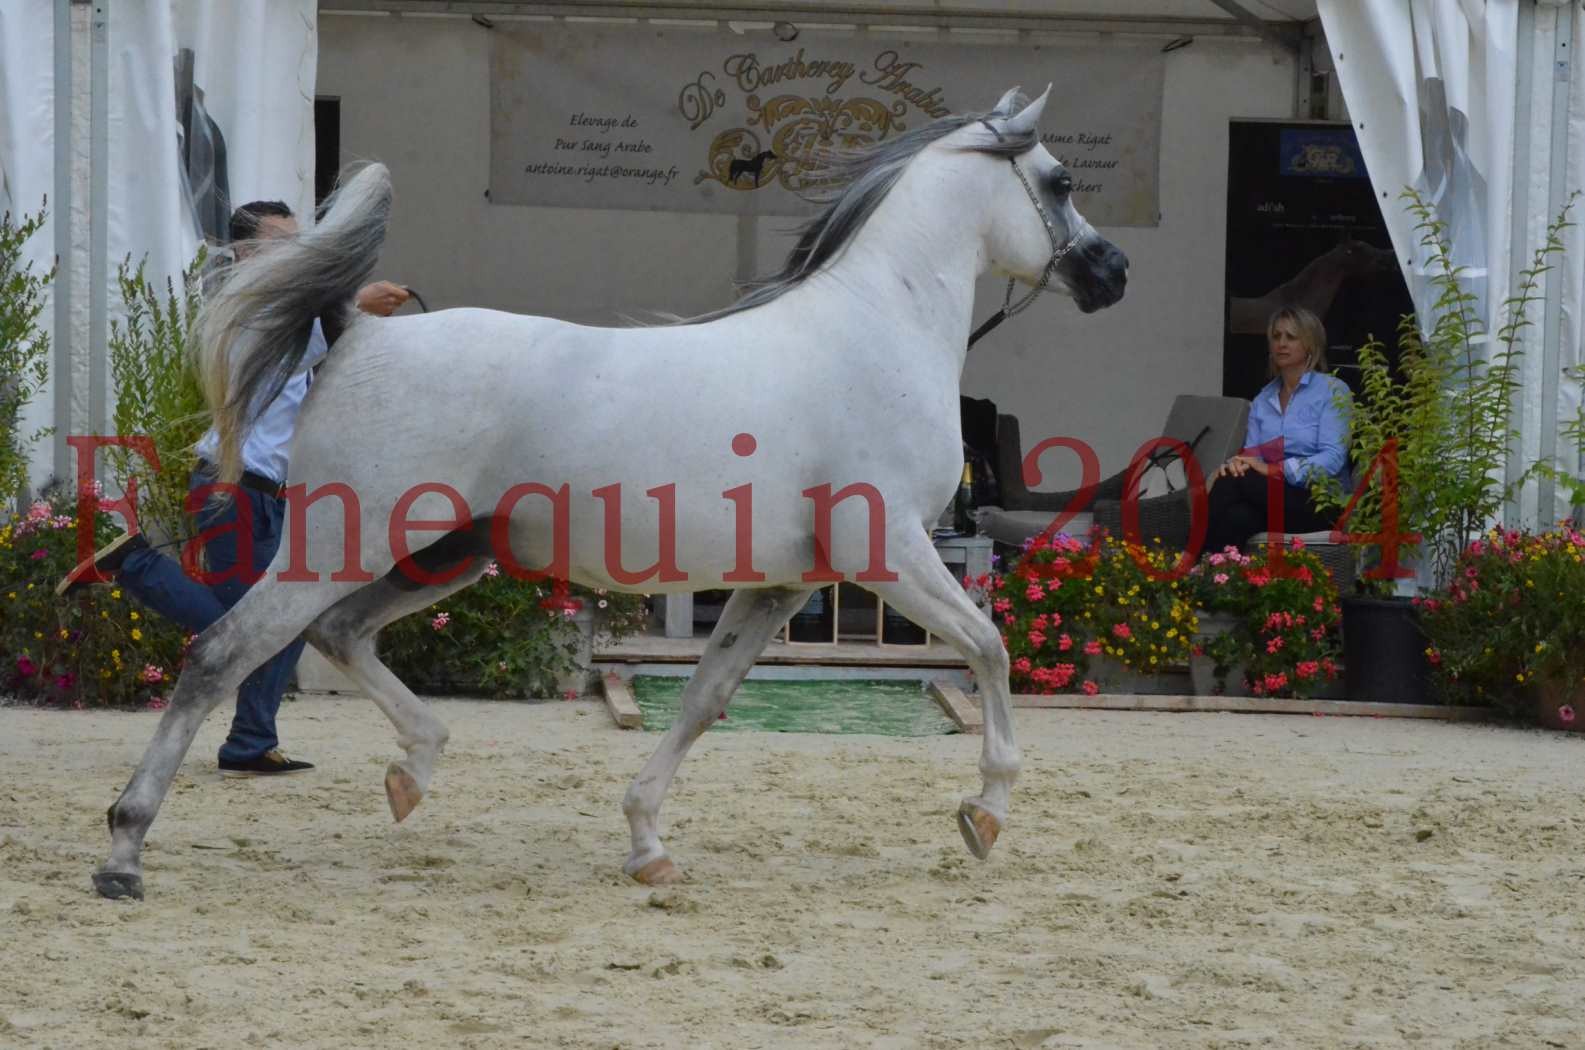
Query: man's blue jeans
point(160, 582)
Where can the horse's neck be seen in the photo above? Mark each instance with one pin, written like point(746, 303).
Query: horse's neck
point(913, 264)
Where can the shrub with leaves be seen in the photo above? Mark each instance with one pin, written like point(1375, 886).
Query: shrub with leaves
point(1285, 632)
point(24, 352)
point(1066, 604)
point(1511, 621)
point(157, 394)
point(503, 637)
point(1447, 412)
point(100, 648)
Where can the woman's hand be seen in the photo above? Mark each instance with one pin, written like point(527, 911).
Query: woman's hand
point(1240, 465)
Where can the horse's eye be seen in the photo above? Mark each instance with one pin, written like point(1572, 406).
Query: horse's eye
point(1063, 183)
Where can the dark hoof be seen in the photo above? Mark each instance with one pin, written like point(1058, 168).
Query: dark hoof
point(114, 885)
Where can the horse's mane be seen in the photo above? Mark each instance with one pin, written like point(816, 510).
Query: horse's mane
point(859, 180)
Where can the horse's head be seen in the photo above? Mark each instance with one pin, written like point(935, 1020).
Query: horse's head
point(1033, 220)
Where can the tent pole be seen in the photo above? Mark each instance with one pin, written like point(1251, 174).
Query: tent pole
point(1513, 509)
point(99, 215)
point(1552, 327)
point(61, 287)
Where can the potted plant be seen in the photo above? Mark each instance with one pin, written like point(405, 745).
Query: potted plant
point(1508, 631)
point(1278, 623)
point(1431, 438)
point(1077, 617)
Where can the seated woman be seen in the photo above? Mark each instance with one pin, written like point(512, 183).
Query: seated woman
point(1301, 406)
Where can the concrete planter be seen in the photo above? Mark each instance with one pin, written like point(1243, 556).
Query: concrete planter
point(1202, 669)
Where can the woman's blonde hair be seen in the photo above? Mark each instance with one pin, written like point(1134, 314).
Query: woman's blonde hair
point(1311, 333)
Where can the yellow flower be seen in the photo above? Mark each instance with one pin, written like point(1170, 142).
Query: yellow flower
point(103, 615)
point(1099, 589)
point(1154, 626)
point(64, 633)
point(38, 634)
point(116, 594)
point(1539, 646)
point(137, 635)
point(1172, 632)
point(135, 616)
point(30, 586)
point(1152, 659)
point(13, 595)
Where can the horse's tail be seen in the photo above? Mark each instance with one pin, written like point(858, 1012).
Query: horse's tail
point(253, 331)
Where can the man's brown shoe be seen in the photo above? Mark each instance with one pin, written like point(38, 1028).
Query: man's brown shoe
point(103, 565)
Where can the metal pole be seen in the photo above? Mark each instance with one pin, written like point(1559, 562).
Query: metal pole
point(99, 216)
point(1513, 509)
point(61, 365)
point(1552, 327)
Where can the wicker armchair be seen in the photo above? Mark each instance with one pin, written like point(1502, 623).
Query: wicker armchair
point(1212, 426)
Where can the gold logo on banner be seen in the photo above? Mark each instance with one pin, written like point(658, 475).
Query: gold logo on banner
point(799, 135)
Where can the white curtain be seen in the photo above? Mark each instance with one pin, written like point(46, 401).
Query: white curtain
point(1460, 99)
point(251, 69)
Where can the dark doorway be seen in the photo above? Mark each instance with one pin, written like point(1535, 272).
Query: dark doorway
point(327, 146)
point(1304, 228)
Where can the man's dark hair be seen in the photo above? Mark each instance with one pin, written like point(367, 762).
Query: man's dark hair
point(245, 220)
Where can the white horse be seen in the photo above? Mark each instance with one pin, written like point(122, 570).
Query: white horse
point(717, 452)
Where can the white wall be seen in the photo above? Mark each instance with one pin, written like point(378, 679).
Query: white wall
point(415, 95)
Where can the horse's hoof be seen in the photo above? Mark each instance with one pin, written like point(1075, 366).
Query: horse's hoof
point(114, 885)
point(401, 791)
point(658, 872)
point(979, 827)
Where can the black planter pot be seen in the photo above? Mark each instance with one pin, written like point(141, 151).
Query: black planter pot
point(1384, 651)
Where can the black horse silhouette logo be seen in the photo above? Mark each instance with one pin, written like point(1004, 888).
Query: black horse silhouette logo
point(754, 166)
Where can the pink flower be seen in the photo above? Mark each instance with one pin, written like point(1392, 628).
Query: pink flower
point(1220, 577)
point(439, 623)
point(1217, 559)
point(492, 570)
point(572, 694)
point(1064, 643)
point(1021, 665)
point(25, 667)
point(1036, 639)
point(1001, 605)
point(40, 554)
point(63, 682)
point(1565, 714)
point(1274, 645)
point(1092, 648)
point(156, 703)
point(1090, 688)
point(1035, 592)
point(1307, 668)
point(1433, 656)
point(152, 674)
point(1122, 630)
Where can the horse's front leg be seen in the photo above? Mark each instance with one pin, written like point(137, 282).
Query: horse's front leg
point(926, 592)
point(749, 620)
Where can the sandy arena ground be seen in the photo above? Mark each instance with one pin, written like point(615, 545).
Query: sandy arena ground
point(1166, 881)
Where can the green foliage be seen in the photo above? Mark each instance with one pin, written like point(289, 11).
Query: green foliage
point(98, 649)
point(24, 351)
point(157, 394)
point(1449, 407)
point(1511, 621)
point(503, 637)
point(1066, 604)
point(1285, 618)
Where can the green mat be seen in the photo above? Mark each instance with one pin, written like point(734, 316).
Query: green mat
point(885, 708)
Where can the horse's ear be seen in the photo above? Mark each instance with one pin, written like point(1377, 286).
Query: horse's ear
point(1004, 107)
point(1028, 118)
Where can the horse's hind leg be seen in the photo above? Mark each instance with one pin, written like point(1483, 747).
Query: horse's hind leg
point(346, 634)
point(926, 592)
point(262, 624)
point(747, 623)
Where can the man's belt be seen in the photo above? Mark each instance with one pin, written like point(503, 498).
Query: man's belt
point(249, 480)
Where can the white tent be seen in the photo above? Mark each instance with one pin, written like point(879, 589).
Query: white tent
point(92, 101)
point(1476, 102)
